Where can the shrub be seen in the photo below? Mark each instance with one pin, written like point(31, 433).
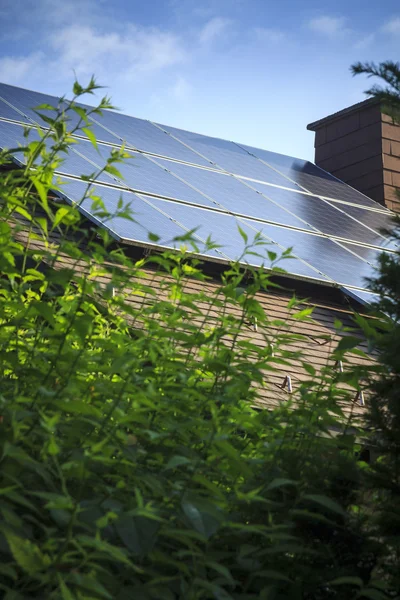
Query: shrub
point(133, 464)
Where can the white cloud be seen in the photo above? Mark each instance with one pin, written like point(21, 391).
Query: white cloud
point(215, 27)
point(274, 36)
point(16, 70)
point(328, 26)
point(181, 90)
point(365, 42)
point(113, 56)
point(127, 54)
point(179, 93)
point(392, 26)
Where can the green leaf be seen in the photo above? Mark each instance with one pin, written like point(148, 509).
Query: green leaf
point(27, 555)
point(8, 571)
point(309, 368)
point(325, 502)
point(139, 534)
point(66, 594)
point(303, 314)
point(78, 407)
point(203, 517)
point(113, 171)
point(81, 112)
point(45, 106)
point(45, 310)
point(153, 237)
point(77, 88)
point(55, 501)
point(51, 121)
point(177, 461)
point(222, 570)
point(356, 581)
point(372, 594)
point(91, 136)
point(61, 213)
point(102, 546)
point(90, 584)
point(347, 343)
point(274, 575)
point(243, 234)
point(216, 590)
point(280, 482)
point(42, 190)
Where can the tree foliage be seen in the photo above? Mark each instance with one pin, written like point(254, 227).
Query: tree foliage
point(383, 417)
point(133, 464)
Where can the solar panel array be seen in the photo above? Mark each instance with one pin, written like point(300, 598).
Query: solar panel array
point(175, 181)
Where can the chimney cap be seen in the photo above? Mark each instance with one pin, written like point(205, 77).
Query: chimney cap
point(342, 113)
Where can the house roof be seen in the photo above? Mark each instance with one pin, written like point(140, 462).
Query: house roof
point(177, 181)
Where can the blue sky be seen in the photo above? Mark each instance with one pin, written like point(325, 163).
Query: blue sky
point(253, 71)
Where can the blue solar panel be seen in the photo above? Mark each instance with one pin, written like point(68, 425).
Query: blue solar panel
point(233, 194)
point(12, 135)
point(26, 100)
point(223, 229)
point(226, 184)
point(230, 157)
point(137, 133)
point(322, 215)
point(115, 127)
point(311, 177)
point(8, 112)
point(378, 221)
point(140, 173)
point(322, 253)
point(363, 296)
point(146, 218)
point(368, 254)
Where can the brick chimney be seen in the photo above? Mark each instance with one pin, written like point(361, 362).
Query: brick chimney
point(361, 146)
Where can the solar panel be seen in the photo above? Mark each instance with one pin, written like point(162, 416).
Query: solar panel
point(324, 216)
point(24, 101)
point(382, 222)
point(234, 194)
point(365, 252)
point(139, 134)
point(109, 127)
point(230, 157)
point(310, 177)
point(186, 180)
point(139, 171)
point(363, 296)
point(142, 173)
point(223, 229)
point(12, 135)
point(8, 112)
point(328, 257)
point(143, 135)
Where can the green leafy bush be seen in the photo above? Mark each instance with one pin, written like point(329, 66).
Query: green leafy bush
point(133, 464)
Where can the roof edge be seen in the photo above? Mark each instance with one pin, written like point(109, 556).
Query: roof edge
point(342, 113)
